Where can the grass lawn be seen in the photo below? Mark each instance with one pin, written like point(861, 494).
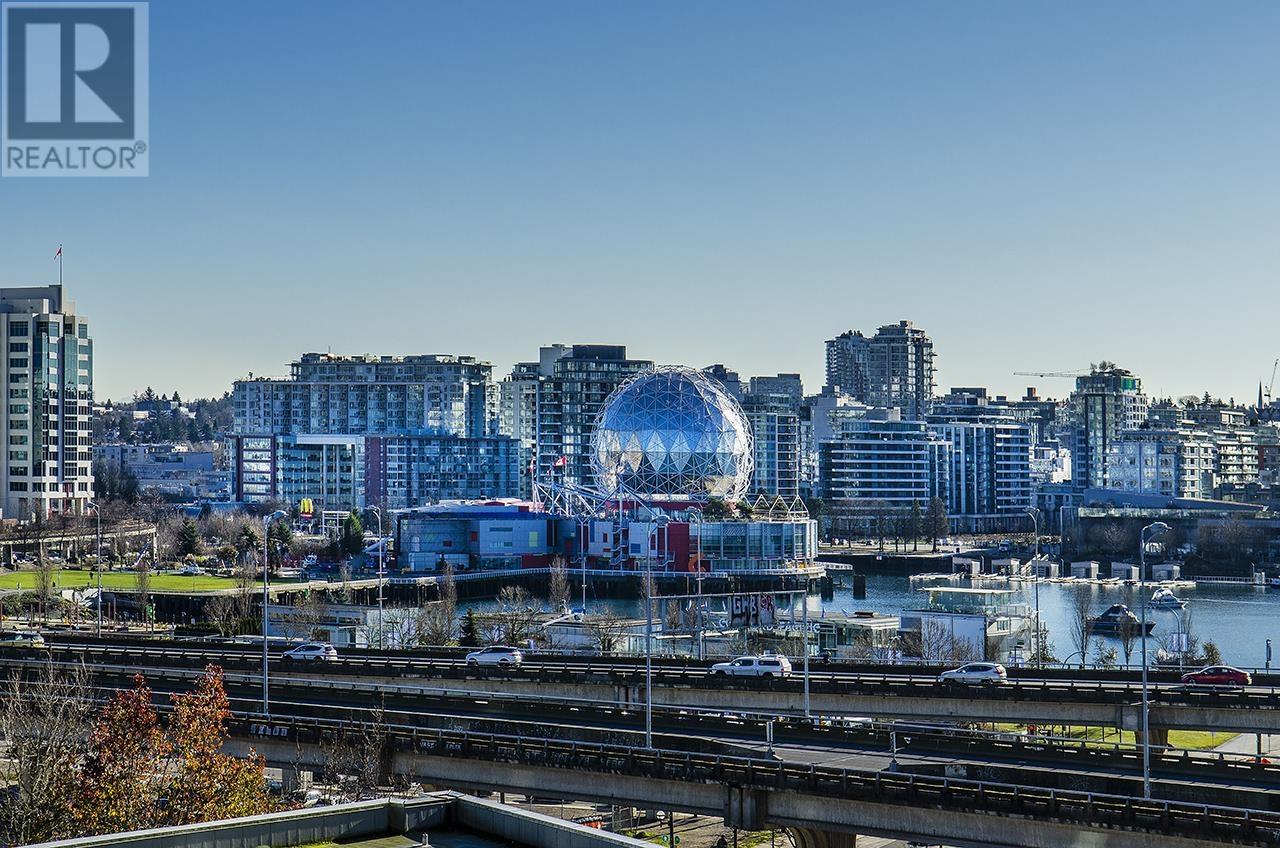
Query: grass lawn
point(1191, 740)
point(119, 581)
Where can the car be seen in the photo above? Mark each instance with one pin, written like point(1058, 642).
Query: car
point(21, 639)
point(766, 665)
point(191, 570)
point(310, 561)
point(312, 652)
point(496, 655)
point(975, 674)
point(1217, 675)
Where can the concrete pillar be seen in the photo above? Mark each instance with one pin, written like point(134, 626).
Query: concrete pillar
point(745, 809)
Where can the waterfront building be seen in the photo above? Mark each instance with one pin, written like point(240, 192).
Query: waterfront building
point(1106, 402)
point(848, 365)
point(877, 463)
point(48, 363)
point(775, 430)
point(574, 382)
point(961, 624)
point(518, 419)
point(900, 369)
point(988, 477)
point(350, 432)
point(1178, 463)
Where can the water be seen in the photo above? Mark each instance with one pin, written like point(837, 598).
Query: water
point(1238, 619)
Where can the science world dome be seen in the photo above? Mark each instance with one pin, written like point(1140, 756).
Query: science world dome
point(673, 432)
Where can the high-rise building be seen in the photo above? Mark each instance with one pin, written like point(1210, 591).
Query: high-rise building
point(1174, 463)
point(877, 464)
point(573, 384)
point(349, 432)
point(788, 386)
point(775, 430)
point(49, 365)
point(989, 460)
point(847, 364)
point(1106, 402)
point(729, 379)
point(900, 369)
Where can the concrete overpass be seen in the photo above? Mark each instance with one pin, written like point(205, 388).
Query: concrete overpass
point(1100, 702)
point(823, 806)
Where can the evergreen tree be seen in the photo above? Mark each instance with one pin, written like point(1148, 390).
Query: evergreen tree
point(189, 542)
point(469, 636)
point(351, 542)
point(915, 525)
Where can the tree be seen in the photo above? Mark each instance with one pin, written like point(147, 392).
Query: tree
point(351, 542)
point(441, 619)
point(558, 585)
point(936, 521)
point(915, 524)
point(210, 784)
point(1081, 612)
point(515, 617)
point(142, 571)
point(716, 510)
point(1212, 656)
point(606, 630)
point(248, 541)
point(44, 719)
point(1104, 655)
point(188, 541)
point(469, 634)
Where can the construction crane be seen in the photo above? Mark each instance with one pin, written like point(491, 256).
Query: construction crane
point(1077, 373)
point(1268, 411)
point(1272, 384)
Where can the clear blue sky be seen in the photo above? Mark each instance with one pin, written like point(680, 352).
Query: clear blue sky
point(1038, 185)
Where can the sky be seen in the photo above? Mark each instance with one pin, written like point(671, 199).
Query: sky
point(1039, 186)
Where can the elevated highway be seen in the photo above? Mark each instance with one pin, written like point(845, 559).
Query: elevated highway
point(1098, 700)
point(822, 805)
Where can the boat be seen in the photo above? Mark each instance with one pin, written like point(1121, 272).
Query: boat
point(1116, 620)
point(1164, 599)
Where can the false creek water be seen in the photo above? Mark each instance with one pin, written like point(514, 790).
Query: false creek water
point(1238, 619)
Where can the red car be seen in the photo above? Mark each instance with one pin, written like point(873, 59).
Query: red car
point(1218, 675)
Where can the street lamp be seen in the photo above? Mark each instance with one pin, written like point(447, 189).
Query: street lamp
point(382, 548)
point(660, 522)
point(97, 558)
point(267, 521)
point(1156, 528)
point(1035, 526)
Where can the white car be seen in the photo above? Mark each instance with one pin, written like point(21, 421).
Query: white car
point(496, 655)
point(767, 665)
point(312, 652)
point(975, 674)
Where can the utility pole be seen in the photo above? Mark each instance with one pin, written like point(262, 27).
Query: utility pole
point(1159, 527)
point(266, 600)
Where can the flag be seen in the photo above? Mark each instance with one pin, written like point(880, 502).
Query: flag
point(561, 462)
point(59, 253)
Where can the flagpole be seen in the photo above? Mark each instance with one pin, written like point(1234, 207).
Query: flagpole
point(59, 264)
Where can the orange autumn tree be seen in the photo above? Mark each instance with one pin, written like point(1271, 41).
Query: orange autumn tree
point(140, 774)
point(122, 778)
point(208, 784)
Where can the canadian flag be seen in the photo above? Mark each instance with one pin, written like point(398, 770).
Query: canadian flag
point(560, 462)
point(59, 253)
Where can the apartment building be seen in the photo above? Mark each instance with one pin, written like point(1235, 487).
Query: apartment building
point(48, 365)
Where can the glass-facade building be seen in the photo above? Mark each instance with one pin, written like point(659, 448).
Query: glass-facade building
point(48, 366)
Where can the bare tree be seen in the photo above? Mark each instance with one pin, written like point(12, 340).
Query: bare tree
point(1081, 612)
point(222, 611)
point(514, 619)
point(606, 630)
point(45, 720)
point(558, 584)
point(354, 759)
point(938, 644)
point(143, 572)
point(301, 620)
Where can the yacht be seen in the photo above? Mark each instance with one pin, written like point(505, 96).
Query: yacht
point(1164, 599)
point(1114, 621)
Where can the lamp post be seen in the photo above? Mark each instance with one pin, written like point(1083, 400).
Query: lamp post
point(584, 527)
point(267, 521)
point(1158, 527)
point(1035, 527)
point(97, 559)
point(382, 548)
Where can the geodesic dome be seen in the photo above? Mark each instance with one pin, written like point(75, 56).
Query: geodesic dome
point(673, 432)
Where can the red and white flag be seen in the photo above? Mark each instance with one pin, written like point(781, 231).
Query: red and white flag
point(561, 462)
point(59, 253)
